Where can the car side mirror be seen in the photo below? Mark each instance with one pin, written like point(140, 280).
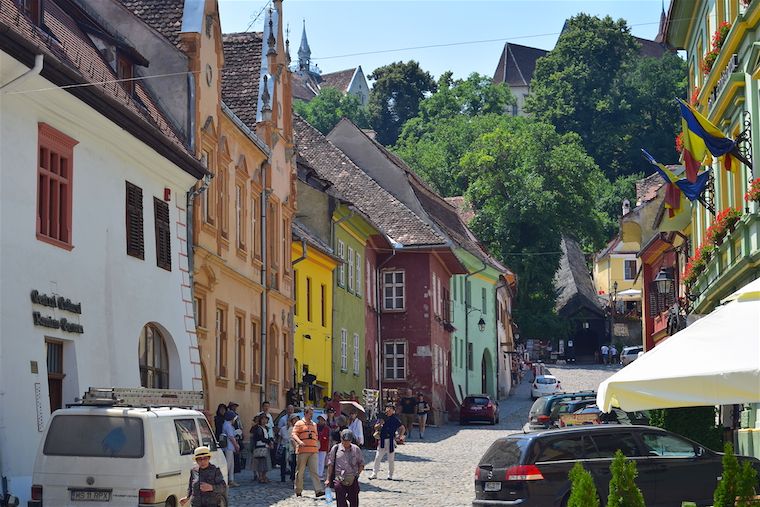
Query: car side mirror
point(699, 451)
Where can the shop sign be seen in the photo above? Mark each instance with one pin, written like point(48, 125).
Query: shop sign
point(62, 303)
point(59, 302)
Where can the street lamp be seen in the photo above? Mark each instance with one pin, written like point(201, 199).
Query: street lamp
point(664, 281)
point(481, 325)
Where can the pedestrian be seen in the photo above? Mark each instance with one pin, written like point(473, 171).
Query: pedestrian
point(270, 430)
point(323, 433)
point(221, 409)
point(307, 447)
point(283, 422)
point(232, 447)
point(605, 353)
point(613, 355)
point(331, 422)
point(335, 402)
point(238, 425)
point(408, 407)
point(356, 427)
point(423, 408)
point(345, 464)
point(260, 445)
point(206, 486)
point(387, 441)
point(325, 401)
point(352, 395)
point(288, 449)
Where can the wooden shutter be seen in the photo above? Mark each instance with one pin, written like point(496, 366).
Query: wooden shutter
point(163, 238)
point(135, 241)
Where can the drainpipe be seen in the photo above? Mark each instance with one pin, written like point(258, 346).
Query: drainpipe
point(378, 313)
point(264, 273)
point(467, 328)
point(304, 253)
point(35, 70)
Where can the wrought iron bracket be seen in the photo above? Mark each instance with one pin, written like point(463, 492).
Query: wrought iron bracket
point(707, 199)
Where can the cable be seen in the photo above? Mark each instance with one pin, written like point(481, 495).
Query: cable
point(257, 16)
point(94, 83)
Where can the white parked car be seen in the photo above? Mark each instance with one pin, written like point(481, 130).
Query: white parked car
point(545, 385)
point(629, 354)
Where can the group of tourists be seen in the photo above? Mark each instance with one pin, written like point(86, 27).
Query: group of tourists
point(608, 354)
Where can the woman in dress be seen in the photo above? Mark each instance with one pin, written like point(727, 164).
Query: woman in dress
point(260, 440)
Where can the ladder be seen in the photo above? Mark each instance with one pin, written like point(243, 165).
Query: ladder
point(142, 397)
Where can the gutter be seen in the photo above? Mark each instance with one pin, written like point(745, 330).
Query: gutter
point(264, 273)
point(304, 253)
point(34, 71)
point(378, 341)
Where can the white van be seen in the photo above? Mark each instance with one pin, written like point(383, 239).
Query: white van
point(120, 456)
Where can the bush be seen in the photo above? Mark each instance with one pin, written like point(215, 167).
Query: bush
point(623, 489)
point(737, 483)
point(696, 423)
point(582, 489)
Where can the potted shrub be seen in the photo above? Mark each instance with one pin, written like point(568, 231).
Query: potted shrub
point(719, 37)
point(582, 488)
point(724, 223)
point(623, 489)
point(753, 194)
point(709, 60)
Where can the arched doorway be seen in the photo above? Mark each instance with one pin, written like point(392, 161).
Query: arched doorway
point(486, 374)
point(154, 358)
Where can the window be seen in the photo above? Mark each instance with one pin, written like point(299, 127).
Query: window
point(255, 376)
point(207, 436)
point(467, 294)
point(367, 282)
point(356, 354)
point(135, 241)
point(240, 216)
point(92, 436)
point(434, 294)
point(342, 267)
point(656, 444)
point(240, 351)
point(343, 350)
point(187, 435)
point(255, 233)
point(630, 269)
point(271, 235)
point(350, 269)
point(469, 357)
point(393, 290)
point(55, 374)
point(323, 305)
point(208, 207)
point(566, 448)
point(455, 283)
point(483, 300)
point(308, 298)
point(358, 274)
point(286, 231)
point(163, 234)
point(54, 172)
point(446, 306)
point(224, 197)
point(125, 72)
point(395, 360)
point(221, 343)
point(154, 361)
point(33, 9)
point(199, 311)
point(606, 445)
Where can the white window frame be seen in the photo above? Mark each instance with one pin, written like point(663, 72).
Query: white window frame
point(350, 262)
point(367, 283)
point(394, 285)
point(343, 350)
point(625, 271)
point(356, 353)
point(342, 268)
point(399, 372)
point(358, 274)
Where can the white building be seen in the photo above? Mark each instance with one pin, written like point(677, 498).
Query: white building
point(94, 279)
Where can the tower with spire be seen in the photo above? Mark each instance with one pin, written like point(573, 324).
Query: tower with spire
point(304, 52)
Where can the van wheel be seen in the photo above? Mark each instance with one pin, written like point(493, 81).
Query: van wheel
point(169, 502)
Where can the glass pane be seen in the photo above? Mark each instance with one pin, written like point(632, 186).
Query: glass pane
point(400, 277)
point(389, 303)
point(187, 436)
point(399, 362)
point(389, 373)
point(95, 436)
point(388, 278)
point(667, 445)
point(388, 292)
point(606, 445)
point(399, 292)
point(563, 449)
point(389, 348)
point(400, 349)
point(400, 373)
point(207, 437)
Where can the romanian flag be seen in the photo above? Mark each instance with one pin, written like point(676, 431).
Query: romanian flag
point(675, 199)
point(701, 136)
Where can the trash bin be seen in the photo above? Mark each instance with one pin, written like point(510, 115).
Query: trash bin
point(744, 442)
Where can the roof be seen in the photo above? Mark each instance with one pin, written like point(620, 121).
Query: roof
point(646, 189)
point(517, 64)
point(340, 80)
point(463, 208)
point(387, 212)
point(242, 73)
point(303, 86)
point(164, 16)
point(70, 57)
point(651, 48)
point(575, 289)
point(302, 232)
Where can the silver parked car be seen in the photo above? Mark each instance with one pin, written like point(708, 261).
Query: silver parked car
point(629, 354)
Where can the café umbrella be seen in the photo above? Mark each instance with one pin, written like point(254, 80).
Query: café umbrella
point(714, 361)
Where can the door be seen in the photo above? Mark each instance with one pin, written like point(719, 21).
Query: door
point(682, 475)
point(55, 374)
point(554, 458)
point(600, 459)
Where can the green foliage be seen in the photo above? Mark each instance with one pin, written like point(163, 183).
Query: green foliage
point(610, 198)
point(325, 110)
point(582, 488)
point(695, 423)
point(521, 174)
point(595, 83)
point(737, 484)
point(395, 97)
point(623, 489)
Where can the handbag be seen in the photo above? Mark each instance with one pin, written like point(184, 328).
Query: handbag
point(260, 452)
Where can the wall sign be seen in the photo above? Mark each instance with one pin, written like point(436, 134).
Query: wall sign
point(61, 303)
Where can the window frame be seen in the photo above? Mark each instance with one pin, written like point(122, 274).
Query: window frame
point(53, 142)
point(351, 269)
point(357, 359)
point(341, 278)
point(632, 274)
point(149, 368)
point(220, 333)
point(240, 346)
point(358, 274)
point(394, 355)
point(394, 285)
point(343, 350)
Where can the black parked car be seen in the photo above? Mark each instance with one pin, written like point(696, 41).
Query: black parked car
point(540, 415)
point(531, 469)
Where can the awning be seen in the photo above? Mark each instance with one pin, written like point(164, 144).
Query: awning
point(629, 293)
point(715, 361)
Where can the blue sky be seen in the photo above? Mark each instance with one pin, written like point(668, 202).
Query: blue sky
point(339, 28)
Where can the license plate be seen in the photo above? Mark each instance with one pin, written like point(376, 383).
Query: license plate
point(90, 495)
point(477, 408)
point(492, 486)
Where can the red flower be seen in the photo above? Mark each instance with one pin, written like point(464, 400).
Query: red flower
point(679, 142)
point(694, 96)
point(753, 194)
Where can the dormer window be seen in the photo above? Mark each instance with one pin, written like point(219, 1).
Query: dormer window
point(33, 10)
point(125, 72)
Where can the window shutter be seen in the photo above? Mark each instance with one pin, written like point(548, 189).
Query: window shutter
point(163, 238)
point(135, 239)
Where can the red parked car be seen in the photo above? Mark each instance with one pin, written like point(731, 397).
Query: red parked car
point(479, 407)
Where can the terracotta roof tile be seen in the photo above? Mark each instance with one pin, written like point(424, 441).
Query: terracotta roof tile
point(387, 212)
point(303, 86)
point(575, 289)
point(241, 74)
point(339, 80)
point(164, 16)
point(646, 189)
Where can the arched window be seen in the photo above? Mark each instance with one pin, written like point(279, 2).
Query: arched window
point(154, 361)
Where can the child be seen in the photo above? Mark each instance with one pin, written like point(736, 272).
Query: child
point(206, 481)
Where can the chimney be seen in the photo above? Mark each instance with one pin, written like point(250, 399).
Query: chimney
point(626, 207)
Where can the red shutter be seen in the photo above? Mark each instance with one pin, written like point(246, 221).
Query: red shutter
point(135, 236)
point(163, 235)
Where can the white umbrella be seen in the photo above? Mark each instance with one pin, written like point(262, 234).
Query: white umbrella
point(629, 293)
point(714, 361)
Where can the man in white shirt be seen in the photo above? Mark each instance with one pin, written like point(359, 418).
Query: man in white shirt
point(283, 422)
point(356, 428)
point(605, 351)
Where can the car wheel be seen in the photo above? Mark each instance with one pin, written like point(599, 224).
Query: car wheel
point(169, 502)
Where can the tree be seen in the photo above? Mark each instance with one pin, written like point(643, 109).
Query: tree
point(395, 97)
point(582, 488)
point(529, 185)
point(737, 483)
point(623, 489)
point(696, 423)
point(325, 110)
point(595, 83)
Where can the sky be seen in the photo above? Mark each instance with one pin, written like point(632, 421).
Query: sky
point(376, 33)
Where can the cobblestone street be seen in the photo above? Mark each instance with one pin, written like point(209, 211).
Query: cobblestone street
point(436, 471)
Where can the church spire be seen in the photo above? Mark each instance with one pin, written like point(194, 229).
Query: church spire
point(661, 35)
point(304, 52)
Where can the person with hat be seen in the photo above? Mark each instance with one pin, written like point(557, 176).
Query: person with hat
point(232, 446)
point(307, 447)
point(387, 441)
point(206, 481)
point(237, 424)
point(344, 464)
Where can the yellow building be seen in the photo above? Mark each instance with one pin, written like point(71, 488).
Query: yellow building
point(313, 265)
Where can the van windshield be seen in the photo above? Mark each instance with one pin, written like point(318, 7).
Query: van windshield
point(97, 436)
